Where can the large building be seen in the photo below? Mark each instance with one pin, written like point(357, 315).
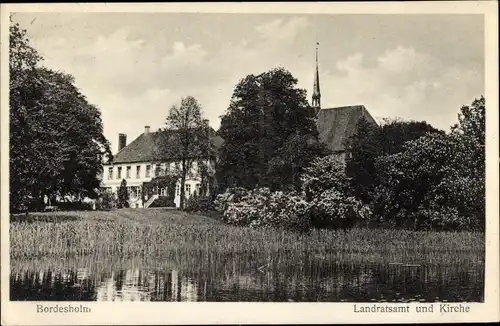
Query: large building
point(138, 163)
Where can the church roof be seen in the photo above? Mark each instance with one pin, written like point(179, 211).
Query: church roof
point(336, 125)
point(144, 149)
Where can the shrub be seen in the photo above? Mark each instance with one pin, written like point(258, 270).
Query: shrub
point(332, 208)
point(286, 210)
point(74, 206)
point(444, 218)
point(197, 203)
point(123, 196)
point(326, 172)
point(107, 200)
point(263, 208)
point(231, 195)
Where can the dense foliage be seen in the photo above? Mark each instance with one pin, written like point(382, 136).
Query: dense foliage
point(371, 142)
point(324, 203)
point(123, 195)
point(264, 114)
point(433, 181)
point(107, 200)
point(57, 144)
point(199, 204)
point(401, 174)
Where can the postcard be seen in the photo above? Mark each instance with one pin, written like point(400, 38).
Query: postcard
point(246, 163)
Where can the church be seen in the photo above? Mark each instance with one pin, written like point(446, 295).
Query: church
point(337, 124)
point(137, 164)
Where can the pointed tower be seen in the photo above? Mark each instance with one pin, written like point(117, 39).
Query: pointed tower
point(316, 96)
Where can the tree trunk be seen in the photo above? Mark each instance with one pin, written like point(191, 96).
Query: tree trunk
point(183, 187)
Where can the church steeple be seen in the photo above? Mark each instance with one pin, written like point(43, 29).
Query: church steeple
point(316, 96)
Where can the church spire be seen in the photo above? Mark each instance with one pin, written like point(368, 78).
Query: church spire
point(316, 96)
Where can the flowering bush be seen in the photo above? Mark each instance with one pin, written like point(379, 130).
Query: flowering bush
point(263, 208)
point(329, 207)
point(286, 210)
point(231, 195)
point(326, 172)
point(242, 207)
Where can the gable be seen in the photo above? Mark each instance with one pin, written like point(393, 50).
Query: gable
point(337, 125)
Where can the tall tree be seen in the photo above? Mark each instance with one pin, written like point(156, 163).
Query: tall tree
point(370, 142)
point(185, 139)
point(56, 137)
point(438, 179)
point(24, 94)
point(265, 110)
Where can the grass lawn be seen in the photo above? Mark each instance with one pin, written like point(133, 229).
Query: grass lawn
point(175, 234)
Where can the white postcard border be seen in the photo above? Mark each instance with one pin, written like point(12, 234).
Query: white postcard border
point(25, 313)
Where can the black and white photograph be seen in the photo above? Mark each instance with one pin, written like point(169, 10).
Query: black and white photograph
point(218, 157)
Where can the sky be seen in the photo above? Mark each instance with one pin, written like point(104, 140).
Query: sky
point(135, 66)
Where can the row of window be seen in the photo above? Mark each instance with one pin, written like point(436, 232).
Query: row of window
point(128, 171)
point(136, 190)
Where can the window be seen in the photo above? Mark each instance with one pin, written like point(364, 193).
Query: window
point(119, 174)
point(177, 190)
point(148, 171)
point(163, 191)
point(110, 173)
point(156, 170)
point(197, 189)
point(188, 190)
point(138, 172)
point(129, 168)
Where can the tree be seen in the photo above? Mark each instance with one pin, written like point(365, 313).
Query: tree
point(185, 139)
point(265, 110)
point(24, 92)
point(438, 180)
point(370, 142)
point(123, 195)
point(290, 160)
point(325, 186)
point(324, 173)
point(56, 137)
point(408, 178)
point(463, 186)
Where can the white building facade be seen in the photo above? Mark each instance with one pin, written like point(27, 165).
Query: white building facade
point(135, 163)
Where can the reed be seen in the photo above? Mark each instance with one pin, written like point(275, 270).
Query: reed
point(177, 235)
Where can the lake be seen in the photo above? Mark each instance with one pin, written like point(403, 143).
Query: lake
point(230, 279)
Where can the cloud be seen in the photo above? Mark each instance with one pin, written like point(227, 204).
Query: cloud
point(281, 29)
point(404, 83)
point(135, 76)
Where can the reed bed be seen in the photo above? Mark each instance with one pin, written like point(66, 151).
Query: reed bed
point(179, 236)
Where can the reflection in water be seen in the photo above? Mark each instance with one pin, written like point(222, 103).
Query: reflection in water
point(334, 283)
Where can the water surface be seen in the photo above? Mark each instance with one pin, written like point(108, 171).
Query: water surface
point(91, 279)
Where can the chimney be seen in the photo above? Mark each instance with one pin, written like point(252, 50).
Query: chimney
point(146, 129)
point(122, 141)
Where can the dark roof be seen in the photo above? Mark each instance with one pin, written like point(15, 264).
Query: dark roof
point(144, 148)
point(336, 125)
